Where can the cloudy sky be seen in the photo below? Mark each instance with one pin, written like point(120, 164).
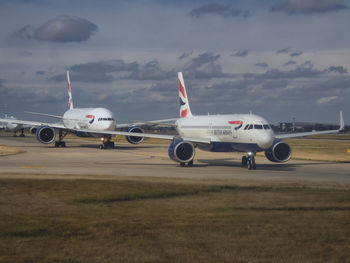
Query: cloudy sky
point(280, 59)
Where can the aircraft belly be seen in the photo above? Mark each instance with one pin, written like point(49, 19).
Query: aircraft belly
point(231, 147)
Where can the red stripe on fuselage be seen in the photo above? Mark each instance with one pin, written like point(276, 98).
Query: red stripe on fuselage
point(235, 122)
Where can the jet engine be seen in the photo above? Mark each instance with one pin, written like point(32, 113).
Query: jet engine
point(181, 151)
point(134, 139)
point(45, 134)
point(279, 152)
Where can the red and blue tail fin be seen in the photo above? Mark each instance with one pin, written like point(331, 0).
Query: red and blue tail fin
point(70, 99)
point(185, 110)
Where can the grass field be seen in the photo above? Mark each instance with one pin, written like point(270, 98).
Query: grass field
point(165, 220)
point(320, 149)
point(7, 150)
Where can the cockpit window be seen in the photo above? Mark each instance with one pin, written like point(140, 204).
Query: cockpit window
point(257, 127)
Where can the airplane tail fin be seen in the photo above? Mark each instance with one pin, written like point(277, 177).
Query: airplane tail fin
point(185, 110)
point(70, 99)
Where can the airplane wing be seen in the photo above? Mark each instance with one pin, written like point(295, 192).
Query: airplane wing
point(303, 134)
point(155, 122)
point(148, 135)
point(34, 123)
point(44, 114)
point(118, 126)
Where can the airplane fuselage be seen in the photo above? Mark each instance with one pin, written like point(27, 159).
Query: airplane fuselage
point(229, 132)
point(97, 119)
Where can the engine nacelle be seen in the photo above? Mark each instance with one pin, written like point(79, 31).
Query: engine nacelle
point(134, 139)
point(45, 134)
point(181, 151)
point(279, 152)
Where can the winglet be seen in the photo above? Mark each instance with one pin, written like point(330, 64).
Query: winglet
point(70, 99)
point(342, 123)
point(185, 110)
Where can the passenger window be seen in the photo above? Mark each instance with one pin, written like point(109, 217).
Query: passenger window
point(258, 127)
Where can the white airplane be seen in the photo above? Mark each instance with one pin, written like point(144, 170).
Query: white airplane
point(96, 122)
point(14, 127)
point(226, 133)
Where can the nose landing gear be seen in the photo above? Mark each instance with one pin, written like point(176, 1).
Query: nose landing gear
point(106, 143)
point(249, 161)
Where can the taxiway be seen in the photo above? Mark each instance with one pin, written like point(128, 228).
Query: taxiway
point(84, 158)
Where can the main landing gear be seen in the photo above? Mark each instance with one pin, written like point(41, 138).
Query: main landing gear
point(249, 161)
point(21, 135)
point(106, 143)
point(190, 163)
point(60, 143)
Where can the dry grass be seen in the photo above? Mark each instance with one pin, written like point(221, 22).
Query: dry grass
point(341, 136)
point(322, 150)
point(7, 150)
point(156, 220)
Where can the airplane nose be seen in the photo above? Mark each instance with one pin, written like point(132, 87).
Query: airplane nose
point(265, 140)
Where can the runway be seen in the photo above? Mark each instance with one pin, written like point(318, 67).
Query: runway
point(84, 159)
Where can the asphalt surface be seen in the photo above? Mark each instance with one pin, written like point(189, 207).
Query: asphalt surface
point(84, 158)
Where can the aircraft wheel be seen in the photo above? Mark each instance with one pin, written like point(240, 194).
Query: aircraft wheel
point(244, 161)
point(254, 166)
point(60, 144)
point(251, 165)
point(190, 163)
point(101, 147)
point(182, 164)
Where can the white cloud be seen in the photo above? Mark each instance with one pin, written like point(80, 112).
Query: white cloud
point(65, 29)
point(325, 100)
